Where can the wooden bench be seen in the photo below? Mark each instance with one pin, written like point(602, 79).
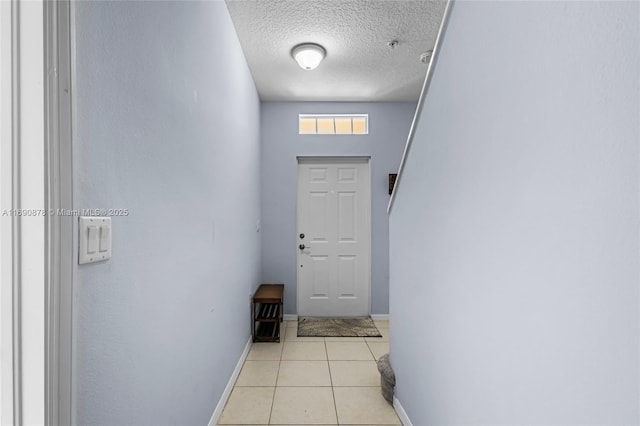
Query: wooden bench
point(266, 311)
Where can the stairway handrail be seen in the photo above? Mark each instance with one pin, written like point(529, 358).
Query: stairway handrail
point(421, 99)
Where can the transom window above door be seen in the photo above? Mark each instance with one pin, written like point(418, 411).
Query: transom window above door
point(333, 124)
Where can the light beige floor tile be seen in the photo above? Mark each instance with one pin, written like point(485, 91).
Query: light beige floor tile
point(304, 373)
point(354, 373)
point(292, 329)
point(292, 336)
point(292, 324)
point(381, 323)
point(363, 405)
point(248, 406)
point(258, 373)
point(344, 339)
point(384, 338)
point(261, 351)
point(304, 351)
point(303, 406)
point(378, 349)
point(348, 351)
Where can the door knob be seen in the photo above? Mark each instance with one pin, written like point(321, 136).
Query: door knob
point(301, 246)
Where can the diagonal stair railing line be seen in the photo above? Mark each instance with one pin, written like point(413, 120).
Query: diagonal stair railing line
point(421, 100)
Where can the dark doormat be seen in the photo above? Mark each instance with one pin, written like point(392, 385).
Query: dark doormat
point(337, 327)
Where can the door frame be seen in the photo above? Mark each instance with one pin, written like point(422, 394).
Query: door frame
point(59, 241)
point(25, 178)
point(35, 177)
point(337, 158)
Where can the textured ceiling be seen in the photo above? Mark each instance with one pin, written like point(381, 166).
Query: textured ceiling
point(359, 65)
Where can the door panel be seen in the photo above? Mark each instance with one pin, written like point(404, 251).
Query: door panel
point(334, 215)
point(321, 274)
point(346, 174)
point(346, 216)
point(346, 276)
point(319, 204)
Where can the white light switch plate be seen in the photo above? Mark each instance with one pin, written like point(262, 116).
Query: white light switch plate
point(95, 239)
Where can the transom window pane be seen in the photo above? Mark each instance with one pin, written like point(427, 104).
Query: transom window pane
point(343, 126)
point(307, 126)
point(360, 125)
point(325, 126)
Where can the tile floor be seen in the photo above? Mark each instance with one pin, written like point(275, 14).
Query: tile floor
point(311, 380)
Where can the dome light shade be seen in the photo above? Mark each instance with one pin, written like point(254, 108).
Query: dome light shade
point(308, 55)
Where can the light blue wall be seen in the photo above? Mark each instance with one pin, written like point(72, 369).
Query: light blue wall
point(388, 129)
point(167, 127)
point(514, 239)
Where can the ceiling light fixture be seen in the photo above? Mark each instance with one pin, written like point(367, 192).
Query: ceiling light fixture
point(308, 55)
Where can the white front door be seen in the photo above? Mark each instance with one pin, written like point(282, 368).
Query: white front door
point(334, 215)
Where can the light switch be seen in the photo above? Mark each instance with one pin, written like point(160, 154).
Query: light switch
point(105, 238)
point(92, 239)
point(95, 239)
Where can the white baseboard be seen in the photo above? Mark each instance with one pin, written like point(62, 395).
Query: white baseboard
point(380, 317)
point(290, 317)
point(401, 413)
point(232, 381)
